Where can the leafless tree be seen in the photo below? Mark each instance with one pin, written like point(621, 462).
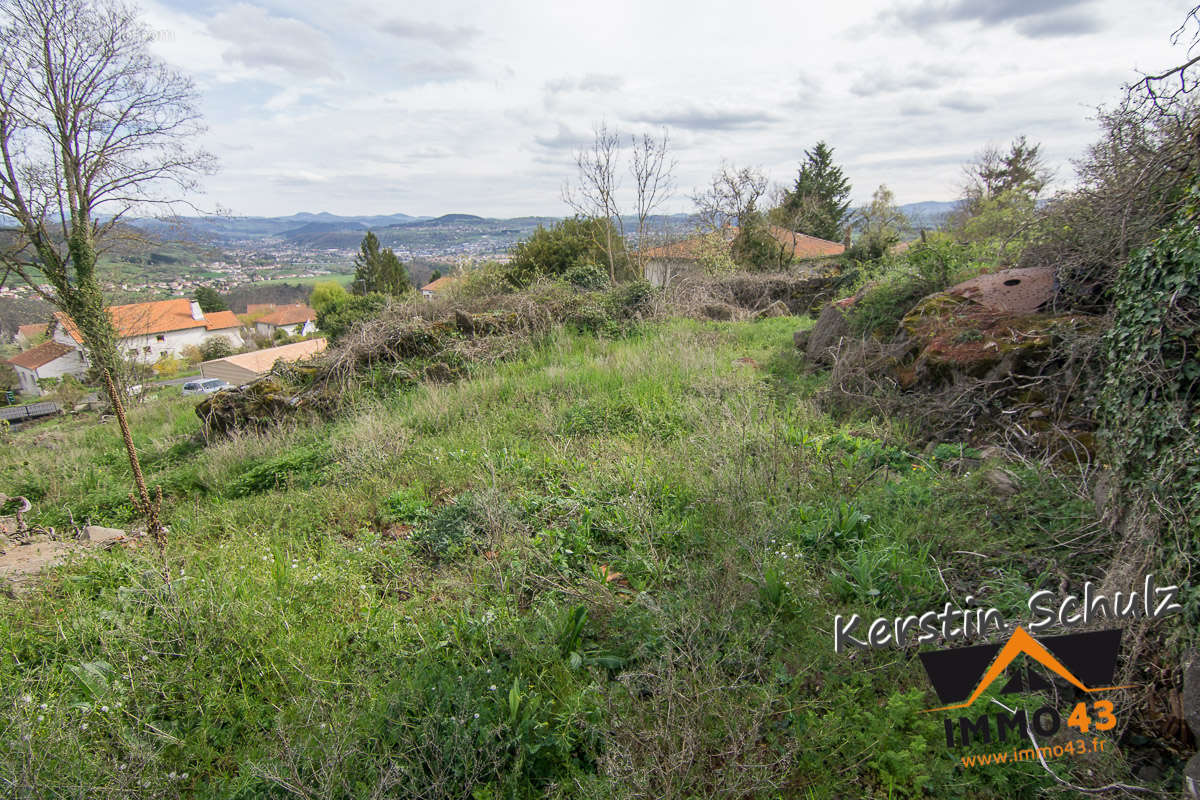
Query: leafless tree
point(1167, 89)
point(653, 177)
point(91, 126)
point(598, 186)
point(595, 194)
point(733, 194)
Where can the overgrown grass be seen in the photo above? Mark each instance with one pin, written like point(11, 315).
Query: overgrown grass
point(608, 569)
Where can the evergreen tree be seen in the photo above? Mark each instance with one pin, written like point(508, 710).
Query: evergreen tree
point(377, 270)
point(209, 300)
point(819, 202)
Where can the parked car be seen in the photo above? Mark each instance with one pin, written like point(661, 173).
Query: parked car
point(206, 386)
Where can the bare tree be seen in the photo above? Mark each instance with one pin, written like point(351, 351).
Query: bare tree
point(596, 193)
point(731, 197)
point(91, 126)
point(653, 177)
point(1168, 89)
point(599, 174)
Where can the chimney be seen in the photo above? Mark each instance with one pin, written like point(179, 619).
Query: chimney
point(846, 240)
point(197, 314)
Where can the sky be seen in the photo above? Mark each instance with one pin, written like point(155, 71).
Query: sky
point(373, 107)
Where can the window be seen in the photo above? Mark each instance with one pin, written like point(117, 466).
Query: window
point(133, 353)
point(146, 349)
point(160, 338)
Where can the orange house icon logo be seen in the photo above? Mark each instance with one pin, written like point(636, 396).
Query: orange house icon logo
point(1086, 661)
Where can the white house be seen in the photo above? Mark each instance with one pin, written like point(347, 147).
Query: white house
point(295, 320)
point(47, 360)
point(150, 331)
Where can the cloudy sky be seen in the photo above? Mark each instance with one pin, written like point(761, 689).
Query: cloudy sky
point(371, 107)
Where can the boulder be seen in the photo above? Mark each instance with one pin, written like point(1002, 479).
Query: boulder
point(102, 536)
point(776, 309)
point(1002, 482)
point(827, 334)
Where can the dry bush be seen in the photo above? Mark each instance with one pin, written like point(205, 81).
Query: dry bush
point(1044, 410)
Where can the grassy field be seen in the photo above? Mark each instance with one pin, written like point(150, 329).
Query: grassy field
point(607, 569)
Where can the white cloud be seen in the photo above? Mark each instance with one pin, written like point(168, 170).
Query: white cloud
point(478, 107)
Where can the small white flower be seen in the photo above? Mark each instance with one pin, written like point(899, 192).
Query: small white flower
point(104, 709)
point(322, 726)
point(120, 768)
point(171, 775)
point(492, 687)
point(145, 658)
point(42, 706)
point(183, 777)
point(41, 717)
point(83, 727)
point(476, 716)
point(27, 698)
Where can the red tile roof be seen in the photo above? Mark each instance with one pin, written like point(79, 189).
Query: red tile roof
point(438, 285)
point(220, 320)
point(289, 315)
point(799, 245)
point(31, 331)
point(41, 355)
point(141, 319)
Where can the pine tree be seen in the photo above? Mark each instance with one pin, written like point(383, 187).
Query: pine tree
point(378, 270)
point(819, 202)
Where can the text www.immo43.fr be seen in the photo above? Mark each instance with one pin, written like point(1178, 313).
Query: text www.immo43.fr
point(1072, 748)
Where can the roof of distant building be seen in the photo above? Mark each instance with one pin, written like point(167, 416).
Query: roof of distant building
point(31, 331)
point(798, 245)
point(289, 315)
point(41, 355)
point(158, 316)
point(439, 285)
point(261, 361)
point(221, 320)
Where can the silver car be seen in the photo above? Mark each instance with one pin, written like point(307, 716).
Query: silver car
point(205, 386)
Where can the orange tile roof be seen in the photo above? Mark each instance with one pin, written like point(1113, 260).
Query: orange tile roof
point(220, 320)
point(261, 361)
point(289, 315)
point(41, 355)
point(438, 285)
point(142, 319)
point(799, 245)
point(31, 331)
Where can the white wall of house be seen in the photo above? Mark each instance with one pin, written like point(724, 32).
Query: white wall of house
point(302, 329)
point(68, 364)
point(663, 271)
point(152, 347)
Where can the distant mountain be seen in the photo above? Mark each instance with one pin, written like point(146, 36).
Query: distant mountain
point(248, 230)
point(930, 213)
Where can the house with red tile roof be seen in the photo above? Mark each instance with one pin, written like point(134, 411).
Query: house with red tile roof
point(28, 334)
point(159, 329)
point(295, 320)
point(435, 288)
point(47, 360)
point(667, 262)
